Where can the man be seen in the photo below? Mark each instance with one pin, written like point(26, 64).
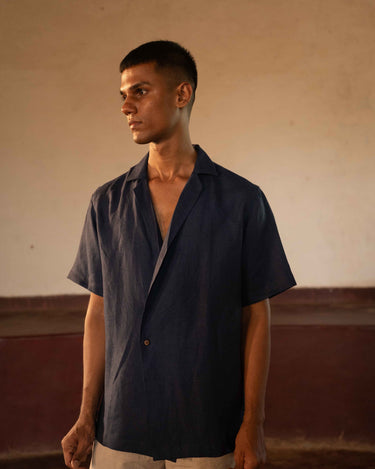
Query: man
point(180, 256)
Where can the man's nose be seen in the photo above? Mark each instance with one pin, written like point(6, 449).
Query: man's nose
point(128, 107)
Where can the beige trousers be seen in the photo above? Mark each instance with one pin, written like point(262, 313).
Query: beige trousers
point(106, 458)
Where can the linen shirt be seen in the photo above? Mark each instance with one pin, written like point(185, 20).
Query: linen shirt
point(173, 375)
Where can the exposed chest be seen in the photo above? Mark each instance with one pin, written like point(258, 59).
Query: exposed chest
point(164, 196)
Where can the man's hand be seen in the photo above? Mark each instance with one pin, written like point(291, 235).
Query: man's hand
point(250, 451)
point(77, 445)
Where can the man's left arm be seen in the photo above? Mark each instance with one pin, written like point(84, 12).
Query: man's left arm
point(256, 343)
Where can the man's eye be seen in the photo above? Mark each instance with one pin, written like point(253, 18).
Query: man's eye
point(140, 91)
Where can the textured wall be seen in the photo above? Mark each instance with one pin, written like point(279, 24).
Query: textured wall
point(285, 98)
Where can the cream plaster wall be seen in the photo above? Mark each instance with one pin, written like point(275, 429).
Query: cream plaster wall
point(285, 97)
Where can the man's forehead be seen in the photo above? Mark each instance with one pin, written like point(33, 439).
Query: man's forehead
point(143, 73)
point(140, 72)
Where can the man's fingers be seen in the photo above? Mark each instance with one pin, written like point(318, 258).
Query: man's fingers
point(82, 463)
point(69, 448)
point(79, 464)
point(77, 449)
point(251, 463)
point(81, 456)
point(247, 461)
point(68, 458)
point(239, 460)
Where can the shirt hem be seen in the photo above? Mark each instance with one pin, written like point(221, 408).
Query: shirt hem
point(269, 294)
point(82, 283)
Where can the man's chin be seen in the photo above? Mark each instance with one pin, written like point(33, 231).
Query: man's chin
point(141, 141)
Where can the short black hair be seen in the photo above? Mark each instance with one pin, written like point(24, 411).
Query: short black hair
point(165, 54)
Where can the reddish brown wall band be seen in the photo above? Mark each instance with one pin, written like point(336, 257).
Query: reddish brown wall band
point(321, 382)
point(40, 390)
point(320, 385)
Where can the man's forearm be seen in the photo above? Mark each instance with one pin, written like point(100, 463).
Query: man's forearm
point(93, 358)
point(256, 345)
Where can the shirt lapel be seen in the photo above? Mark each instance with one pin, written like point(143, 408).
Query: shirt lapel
point(144, 213)
point(186, 202)
point(191, 192)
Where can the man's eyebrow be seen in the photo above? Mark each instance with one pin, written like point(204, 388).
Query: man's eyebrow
point(135, 86)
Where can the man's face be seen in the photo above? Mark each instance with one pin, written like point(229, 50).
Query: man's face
point(149, 103)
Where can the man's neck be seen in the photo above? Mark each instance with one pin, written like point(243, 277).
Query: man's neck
point(169, 160)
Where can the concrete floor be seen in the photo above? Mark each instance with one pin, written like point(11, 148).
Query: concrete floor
point(277, 459)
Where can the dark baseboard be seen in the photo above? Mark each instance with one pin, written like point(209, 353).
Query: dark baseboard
point(23, 304)
point(292, 296)
point(321, 296)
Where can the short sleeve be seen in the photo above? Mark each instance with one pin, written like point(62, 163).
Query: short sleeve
point(87, 267)
point(265, 268)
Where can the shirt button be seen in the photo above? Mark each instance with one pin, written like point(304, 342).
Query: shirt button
point(146, 342)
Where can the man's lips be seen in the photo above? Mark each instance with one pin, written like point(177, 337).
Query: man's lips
point(134, 124)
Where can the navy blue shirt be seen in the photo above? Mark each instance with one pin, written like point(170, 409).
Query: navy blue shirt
point(173, 376)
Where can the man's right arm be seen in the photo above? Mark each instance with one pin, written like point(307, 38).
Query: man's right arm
point(77, 443)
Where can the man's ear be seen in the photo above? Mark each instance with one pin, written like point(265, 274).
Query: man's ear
point(184, 94)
